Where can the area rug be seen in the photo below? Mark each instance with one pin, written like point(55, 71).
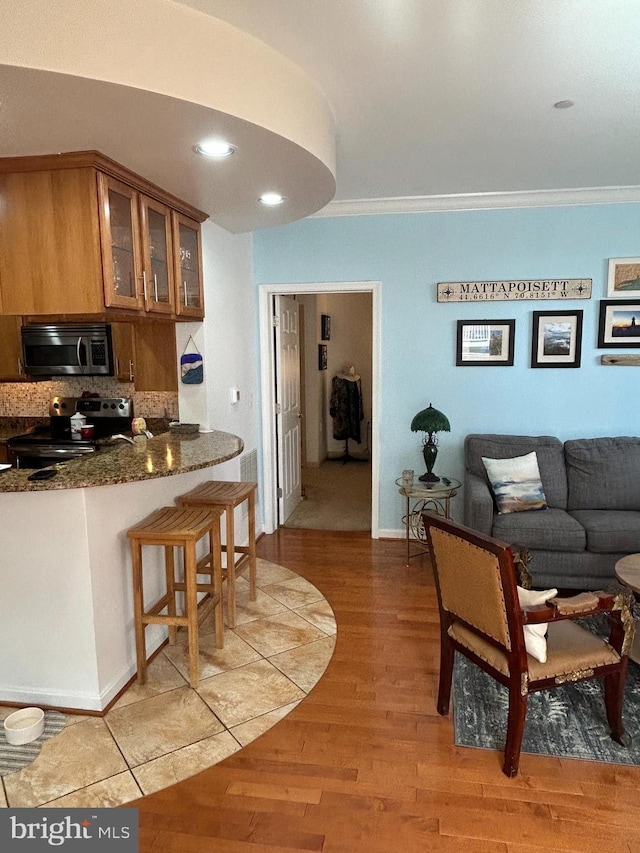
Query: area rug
point(13, 757)
point(567, 722)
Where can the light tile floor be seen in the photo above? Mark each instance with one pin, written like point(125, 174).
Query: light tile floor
point(163, 731)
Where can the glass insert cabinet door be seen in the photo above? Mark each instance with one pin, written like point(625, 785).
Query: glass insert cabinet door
point(119, 229)
point(157, 269)
point(188, 260)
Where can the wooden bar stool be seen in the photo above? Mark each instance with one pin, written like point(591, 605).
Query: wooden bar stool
point(227, 496)
point(181, 527)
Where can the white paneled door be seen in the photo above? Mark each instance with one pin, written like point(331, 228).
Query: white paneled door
point(288, 414)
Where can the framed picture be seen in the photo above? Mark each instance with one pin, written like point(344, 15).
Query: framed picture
point(485, 343)
point(619, 325)
point(326, 327)
point(322, 356)
point(556, 339)
point(624, 278)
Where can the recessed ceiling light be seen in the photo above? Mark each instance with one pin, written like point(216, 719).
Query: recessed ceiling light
point(215, 148)
point(271, 198)
point(563, 105)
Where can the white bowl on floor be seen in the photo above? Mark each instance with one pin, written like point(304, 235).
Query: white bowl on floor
point(24, 725)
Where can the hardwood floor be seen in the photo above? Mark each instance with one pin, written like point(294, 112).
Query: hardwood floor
point(365, 763)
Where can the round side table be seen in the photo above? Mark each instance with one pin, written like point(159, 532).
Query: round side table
point(627, 571)
point(432, 496)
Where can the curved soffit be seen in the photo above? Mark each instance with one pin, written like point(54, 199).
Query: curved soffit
point(145, 82)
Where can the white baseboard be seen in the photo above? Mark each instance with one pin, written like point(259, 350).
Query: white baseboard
point(51, 698)
point(392, 534)
point(81, 701)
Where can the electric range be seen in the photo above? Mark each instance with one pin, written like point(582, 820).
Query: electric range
point(46, 445)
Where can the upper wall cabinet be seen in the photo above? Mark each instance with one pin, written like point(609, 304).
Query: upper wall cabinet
point(121, 244)
point(158, 252)
point(80, 234)
point(188, 266)
point(137, 249)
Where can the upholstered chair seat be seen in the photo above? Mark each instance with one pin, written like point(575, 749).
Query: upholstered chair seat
point(569, 648)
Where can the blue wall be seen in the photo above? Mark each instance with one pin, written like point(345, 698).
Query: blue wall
point(409, 254)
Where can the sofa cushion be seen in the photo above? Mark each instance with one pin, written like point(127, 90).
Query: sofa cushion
point(515, 483)
point(610, 530)
point(553, 530)
point(548, 450)
point(603, 473)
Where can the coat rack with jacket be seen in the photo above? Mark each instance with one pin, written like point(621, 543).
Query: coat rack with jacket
point(346, 409)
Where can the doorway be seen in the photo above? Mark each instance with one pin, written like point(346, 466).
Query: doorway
point(335, 347)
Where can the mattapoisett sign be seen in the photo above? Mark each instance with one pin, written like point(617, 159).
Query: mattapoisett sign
point(514, 291)
point(84, 830)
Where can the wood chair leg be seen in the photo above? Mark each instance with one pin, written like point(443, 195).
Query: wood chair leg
point(138, 610)
point(447, 653)
point(191, 605)
point(215, 561)
point(252, 546)
point(231, 567)
point(613, 699)
point(515, 729)
point(170, 569)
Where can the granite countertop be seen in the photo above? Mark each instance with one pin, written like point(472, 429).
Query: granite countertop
point(120, 462)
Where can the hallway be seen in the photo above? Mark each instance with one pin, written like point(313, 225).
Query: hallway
point(336, 497)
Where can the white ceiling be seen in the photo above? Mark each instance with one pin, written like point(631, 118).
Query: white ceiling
point(430, 97)
point(456, 96)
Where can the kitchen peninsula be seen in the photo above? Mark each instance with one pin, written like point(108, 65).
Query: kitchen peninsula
point(66, 632)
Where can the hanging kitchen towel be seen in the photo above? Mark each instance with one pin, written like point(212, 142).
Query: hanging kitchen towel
point(191, 365)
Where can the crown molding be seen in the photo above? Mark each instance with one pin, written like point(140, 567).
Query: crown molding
point(482, 201)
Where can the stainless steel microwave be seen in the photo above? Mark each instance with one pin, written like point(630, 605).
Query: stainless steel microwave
point(68, 350)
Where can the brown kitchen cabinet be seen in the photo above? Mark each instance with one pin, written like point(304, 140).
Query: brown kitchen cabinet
point(137, 249)
point(122, 339)
point(188, 266)
point(11, 364)
point(119, 220)
point(145, 354)
point(80, 234)
point(155, 364)
point(157, 256)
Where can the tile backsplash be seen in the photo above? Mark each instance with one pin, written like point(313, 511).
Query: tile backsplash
point(31, 399)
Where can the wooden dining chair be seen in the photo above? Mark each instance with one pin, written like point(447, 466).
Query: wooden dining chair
point(481, 618)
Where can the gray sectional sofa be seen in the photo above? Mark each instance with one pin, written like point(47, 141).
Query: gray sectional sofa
point(592, 488)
